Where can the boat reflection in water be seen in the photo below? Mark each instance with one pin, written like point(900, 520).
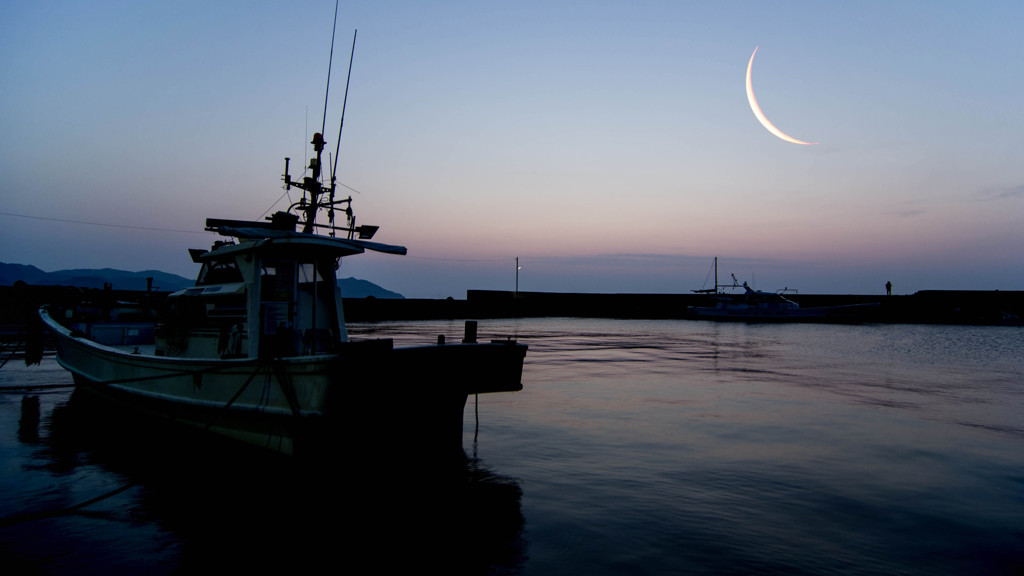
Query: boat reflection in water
point(160, 501)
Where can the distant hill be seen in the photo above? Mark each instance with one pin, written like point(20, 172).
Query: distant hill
point(123, 280)
point(356, 288)
point(92, 278)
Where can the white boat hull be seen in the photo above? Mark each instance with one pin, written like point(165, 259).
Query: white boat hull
point(301, 404)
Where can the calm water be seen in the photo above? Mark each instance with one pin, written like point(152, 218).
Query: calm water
point(636, 447)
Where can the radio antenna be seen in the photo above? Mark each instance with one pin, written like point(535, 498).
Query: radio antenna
point(341, 126)
point(330, 62)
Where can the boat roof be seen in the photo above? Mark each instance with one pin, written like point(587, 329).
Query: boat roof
point(261, 239)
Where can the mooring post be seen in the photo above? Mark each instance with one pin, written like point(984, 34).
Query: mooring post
point(470, 336)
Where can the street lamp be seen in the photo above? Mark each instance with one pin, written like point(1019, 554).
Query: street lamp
point(518, 268)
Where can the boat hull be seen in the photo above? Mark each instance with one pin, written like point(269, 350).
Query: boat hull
point(366, 394)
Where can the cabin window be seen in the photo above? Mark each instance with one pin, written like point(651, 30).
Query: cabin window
point(219, 272)
point(308, 272)
point(277, 307)
point(297, 307)
point(277, 281)
point(318, 321)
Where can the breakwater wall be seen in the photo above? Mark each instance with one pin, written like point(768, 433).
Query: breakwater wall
point(982, 307)
point(985, 307)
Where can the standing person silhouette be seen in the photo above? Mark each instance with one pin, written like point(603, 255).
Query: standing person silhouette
point(888, 288)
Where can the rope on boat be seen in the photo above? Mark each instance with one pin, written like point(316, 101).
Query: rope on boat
point(271, 369)
point(174, 374)
point(275, 370)
point(19, 518)
point(68, 510)
point(233, 398)
point(287, 389)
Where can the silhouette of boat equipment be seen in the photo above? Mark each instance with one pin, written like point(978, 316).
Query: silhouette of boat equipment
point(258, 350)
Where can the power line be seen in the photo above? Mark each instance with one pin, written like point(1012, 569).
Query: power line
point(204, 232)
point(101, 224)
point(463, 259)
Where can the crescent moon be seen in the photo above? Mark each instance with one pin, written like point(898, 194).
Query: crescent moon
point(760, 115)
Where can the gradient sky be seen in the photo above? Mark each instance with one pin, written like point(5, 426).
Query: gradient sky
point(608, 145)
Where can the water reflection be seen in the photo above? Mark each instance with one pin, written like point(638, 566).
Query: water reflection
point(28, 424)
point(97, 492)
point(638, 447)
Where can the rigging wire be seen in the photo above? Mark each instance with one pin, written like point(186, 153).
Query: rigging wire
point(286, 193)
point(275, 204)
point(349, 187)
point(708, 277)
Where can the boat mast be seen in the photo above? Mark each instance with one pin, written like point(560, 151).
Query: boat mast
point(313, 184)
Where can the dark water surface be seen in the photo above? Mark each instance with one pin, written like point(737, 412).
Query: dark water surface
point(636, 447)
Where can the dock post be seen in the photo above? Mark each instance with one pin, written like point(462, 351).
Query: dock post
point(470, 336)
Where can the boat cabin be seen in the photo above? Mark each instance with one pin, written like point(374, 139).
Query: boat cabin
point(262, 297)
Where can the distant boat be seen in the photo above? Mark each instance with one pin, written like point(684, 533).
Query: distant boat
point(258, 349)
point(757, 306)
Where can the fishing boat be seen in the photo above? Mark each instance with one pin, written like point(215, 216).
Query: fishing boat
point(755, 305)
point(758, 306)
point(258, 349)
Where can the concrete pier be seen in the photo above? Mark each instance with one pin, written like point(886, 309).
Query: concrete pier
point(980, 307)
point(993, 307)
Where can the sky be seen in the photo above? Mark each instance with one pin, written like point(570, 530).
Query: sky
point(608, 145)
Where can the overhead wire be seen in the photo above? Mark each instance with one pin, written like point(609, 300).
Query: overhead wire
point(108, 225)
point(463, 259)
point(207, 232)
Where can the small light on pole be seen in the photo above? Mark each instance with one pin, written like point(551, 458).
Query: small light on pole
point(518, 268)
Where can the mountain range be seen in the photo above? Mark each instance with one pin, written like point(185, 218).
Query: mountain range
point(163, 281)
